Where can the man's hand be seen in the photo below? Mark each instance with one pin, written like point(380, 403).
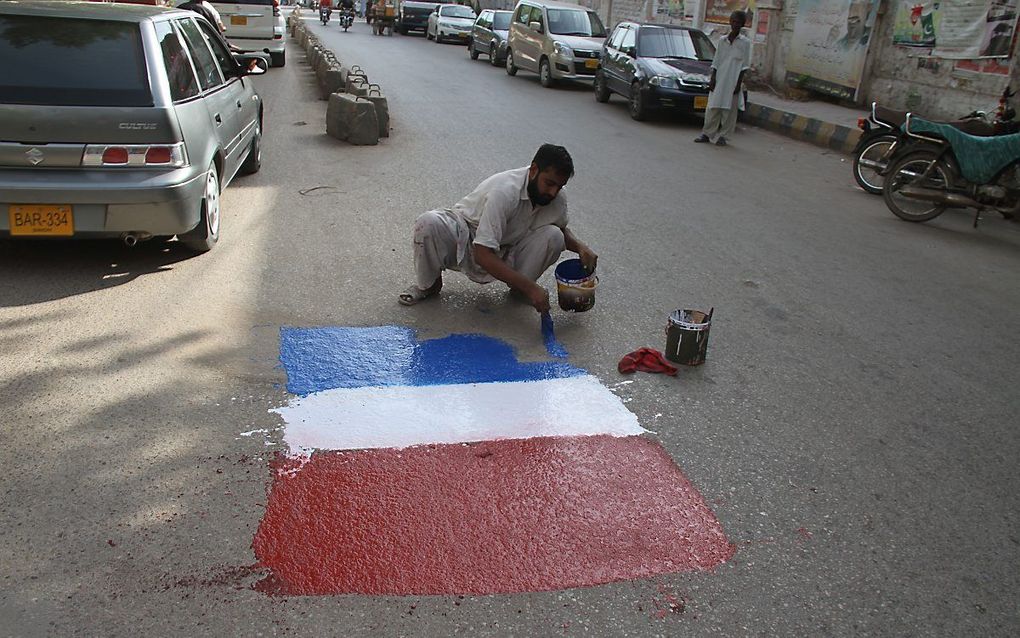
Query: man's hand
point(539, 298)
point(588, 258)
point(711, 84)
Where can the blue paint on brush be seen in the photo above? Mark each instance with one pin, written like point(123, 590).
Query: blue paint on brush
point(552, 346)
point(319, 359)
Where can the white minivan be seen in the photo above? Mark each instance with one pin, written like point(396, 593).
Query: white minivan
point(557, 40)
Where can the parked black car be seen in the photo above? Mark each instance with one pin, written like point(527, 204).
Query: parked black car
point(488, 37)
point(656, 66)
point(414, 16)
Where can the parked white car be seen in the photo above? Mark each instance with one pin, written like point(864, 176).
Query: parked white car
point(450, 22)
point(255, 26)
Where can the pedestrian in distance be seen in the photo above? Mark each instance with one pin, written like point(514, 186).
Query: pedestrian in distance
point(725, 99)
point(512, 227)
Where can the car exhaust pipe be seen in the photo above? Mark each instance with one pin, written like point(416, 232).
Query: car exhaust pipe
point(131, 239)
point(939, 197)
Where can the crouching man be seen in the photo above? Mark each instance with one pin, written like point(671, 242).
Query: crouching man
point(512, 227)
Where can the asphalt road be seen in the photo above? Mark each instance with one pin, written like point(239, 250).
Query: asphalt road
point(854, 428)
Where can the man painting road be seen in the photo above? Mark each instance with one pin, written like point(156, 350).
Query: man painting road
point(732, 60)
point(512, 227)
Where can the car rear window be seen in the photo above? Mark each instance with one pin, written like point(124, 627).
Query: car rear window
point(501, 21)
point(71, 62)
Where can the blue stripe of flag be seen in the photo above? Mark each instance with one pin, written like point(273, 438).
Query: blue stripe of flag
point(317, 359)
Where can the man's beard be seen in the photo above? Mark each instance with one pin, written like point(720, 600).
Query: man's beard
point(537, 199)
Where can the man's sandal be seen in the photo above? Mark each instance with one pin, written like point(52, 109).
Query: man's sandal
point(414, 294)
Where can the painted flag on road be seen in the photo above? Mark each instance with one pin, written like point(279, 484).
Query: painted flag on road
point(448, 466)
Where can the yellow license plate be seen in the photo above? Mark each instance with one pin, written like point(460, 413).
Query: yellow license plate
point(591, 64)
point(700, 102)
point(240, 21)
point(32, 219)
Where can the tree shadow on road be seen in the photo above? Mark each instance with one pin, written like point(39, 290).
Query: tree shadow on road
point(38, 271)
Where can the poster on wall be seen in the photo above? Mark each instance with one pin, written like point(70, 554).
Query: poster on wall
point(761, 29)
point(915, 23)
point(957, 29)
point(830, 45)
point(670, 10)
point(719, 11)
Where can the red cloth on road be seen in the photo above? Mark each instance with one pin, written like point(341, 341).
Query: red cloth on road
point(646, 360)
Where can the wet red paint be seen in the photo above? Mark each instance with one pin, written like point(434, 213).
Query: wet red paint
point(493, 517)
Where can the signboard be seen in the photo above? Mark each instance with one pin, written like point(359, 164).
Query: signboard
point(670, 10)
point(830, 45)
point(719, 11)
point(957, 29)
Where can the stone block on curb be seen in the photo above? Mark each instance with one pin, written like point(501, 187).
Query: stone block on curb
point(382, 109)
point(332, 81)
point(352, 119)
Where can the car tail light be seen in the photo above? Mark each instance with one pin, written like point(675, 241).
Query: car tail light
point(135, 155)
point(862, 123)
point(115, 155)
point(158, 155)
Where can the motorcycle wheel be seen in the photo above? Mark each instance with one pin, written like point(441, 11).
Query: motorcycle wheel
point(870, 162)
point(908, 170)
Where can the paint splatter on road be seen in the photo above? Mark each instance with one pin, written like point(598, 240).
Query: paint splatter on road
point(448, 467)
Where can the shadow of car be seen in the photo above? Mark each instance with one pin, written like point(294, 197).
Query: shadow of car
point(489, 34)
point(656, 66)
point(136, 138)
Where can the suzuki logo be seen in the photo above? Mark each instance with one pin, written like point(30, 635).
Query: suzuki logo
point(35, 156)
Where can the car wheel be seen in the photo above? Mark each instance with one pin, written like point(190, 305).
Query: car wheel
point(545, 74)
point(511, 68)
point(638, 111)
point(493, 58)
point(278, 59)
point(472, 50)
point(601, 90)
point(253, 162)
point(203, 237)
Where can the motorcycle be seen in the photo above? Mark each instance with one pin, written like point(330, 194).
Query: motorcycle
point(324, 13)
point(883, 136)
point(346, 18)
point(947, 168)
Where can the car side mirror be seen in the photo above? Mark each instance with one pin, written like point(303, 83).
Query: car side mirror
point(251, 64)
point(537, 26)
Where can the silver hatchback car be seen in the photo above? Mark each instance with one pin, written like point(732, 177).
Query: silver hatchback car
point(120, 121)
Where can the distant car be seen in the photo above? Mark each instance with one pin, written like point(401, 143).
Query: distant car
point(559, 41)
point(414, 16)
point(489, 34)
point(656, 66)
point(134, 139)
point(255, 26)
point(450, 22)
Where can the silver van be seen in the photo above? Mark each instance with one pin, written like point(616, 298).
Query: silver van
point(557, 40)
point(122, 121)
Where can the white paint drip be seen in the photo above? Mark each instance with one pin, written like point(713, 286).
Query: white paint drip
point(253, 432)
point(403, 416)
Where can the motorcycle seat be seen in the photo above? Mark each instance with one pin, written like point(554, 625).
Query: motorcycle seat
point(891, 117)
point(980, 158)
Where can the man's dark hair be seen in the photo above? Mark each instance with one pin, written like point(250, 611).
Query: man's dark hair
point(742, 15)
point(556, 158)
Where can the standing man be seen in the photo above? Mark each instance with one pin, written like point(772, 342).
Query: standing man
point(725, 99)
point(512, 227)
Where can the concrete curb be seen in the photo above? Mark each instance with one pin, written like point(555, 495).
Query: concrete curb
point(800, 127)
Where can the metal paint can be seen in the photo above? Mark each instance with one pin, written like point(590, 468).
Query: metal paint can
point(575, 286)
point(687, 336)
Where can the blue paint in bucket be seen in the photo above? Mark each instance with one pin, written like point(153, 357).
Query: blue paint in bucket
point(575, 286)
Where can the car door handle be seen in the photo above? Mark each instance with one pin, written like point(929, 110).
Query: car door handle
point(218, 119)
point(239, 104)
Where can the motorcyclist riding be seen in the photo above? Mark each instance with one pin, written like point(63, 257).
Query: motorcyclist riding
point(325, 10)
